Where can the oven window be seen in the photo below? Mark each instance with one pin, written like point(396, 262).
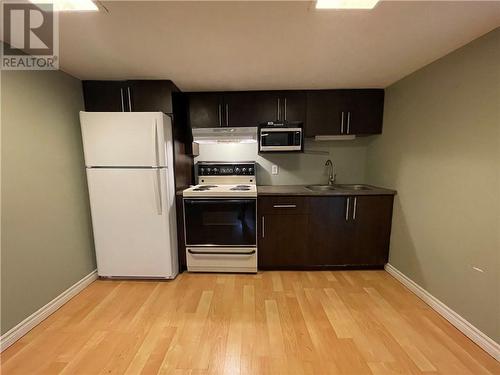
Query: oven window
point(276, 138)
point(222, 222)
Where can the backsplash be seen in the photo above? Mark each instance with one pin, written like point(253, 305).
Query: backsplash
point(349, 158)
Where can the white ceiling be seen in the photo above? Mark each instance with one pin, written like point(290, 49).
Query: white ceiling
point(235, 45)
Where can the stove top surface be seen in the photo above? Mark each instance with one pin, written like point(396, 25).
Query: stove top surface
point(223, 190)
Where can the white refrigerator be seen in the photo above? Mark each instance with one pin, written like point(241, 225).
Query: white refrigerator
point(129, 164)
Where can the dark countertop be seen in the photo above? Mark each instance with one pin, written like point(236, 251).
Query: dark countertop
point(302, 190)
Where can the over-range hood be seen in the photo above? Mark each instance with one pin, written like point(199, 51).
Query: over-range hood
point(346, 137)
point(225, 135)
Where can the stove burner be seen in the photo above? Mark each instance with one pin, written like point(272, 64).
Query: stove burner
point(241, 188)
point(204, 187)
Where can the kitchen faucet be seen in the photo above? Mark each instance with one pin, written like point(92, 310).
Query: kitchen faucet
point(331, 172)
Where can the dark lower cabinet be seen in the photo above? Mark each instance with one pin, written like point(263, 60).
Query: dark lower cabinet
point(282, 232)
point(324, 232)
point(283, 241)
point(328, 234)
point(370, 230)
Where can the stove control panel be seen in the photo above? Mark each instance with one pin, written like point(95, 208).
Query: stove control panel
point(225, 169)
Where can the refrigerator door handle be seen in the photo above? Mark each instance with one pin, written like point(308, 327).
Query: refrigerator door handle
point(157, 149)
point(157, 188)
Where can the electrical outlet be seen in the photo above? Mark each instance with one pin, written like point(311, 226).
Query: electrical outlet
point(275, 169)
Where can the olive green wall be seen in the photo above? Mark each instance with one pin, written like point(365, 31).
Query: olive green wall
point(46, 238)
point(440, 149)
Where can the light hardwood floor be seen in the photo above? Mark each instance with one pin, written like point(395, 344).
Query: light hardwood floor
point(352, 322)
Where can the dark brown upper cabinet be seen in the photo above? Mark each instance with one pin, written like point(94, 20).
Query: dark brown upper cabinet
point(249, 108)
point(151, 95)
point(105, 96)
point(129, 96)
point(292, 106)
point(344, 112)
point(205, 109)
point(245, 108)
point(366, 111)
point(325, 112)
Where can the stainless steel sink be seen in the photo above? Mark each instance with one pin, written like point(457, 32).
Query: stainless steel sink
point(321, 187)
point(353, 187)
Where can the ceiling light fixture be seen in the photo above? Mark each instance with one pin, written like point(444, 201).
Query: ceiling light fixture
point(69, 5)
point(346, 4)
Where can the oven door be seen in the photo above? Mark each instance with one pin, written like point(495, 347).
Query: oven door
point(220, 222)
point(280, 139)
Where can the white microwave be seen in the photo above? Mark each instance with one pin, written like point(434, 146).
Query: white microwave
point(281, 137)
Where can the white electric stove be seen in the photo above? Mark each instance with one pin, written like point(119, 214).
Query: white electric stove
point(220, 218)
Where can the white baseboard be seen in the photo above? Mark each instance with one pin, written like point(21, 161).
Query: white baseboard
point(482, 340)
point(14, 334)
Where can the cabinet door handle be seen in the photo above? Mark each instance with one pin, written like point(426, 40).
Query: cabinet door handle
point(285, 206)
point(279, 109)
point(219, 114)
point(348, 122)
point(342, 123)
point(263, 227)
point(129, 100)
point(285, 108)
point(121, 96)
point(227, 114)
point(354, 208)
point(348, 200)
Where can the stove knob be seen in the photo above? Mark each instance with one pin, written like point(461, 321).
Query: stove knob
point(209, 170)
point(250, 170)
point(244, 170)
point(202, 171)
point(237, 170)
point(215, 170)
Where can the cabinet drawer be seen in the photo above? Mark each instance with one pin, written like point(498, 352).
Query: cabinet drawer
point(283, 205)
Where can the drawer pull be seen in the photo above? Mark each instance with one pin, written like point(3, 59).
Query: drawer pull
point(285, 206)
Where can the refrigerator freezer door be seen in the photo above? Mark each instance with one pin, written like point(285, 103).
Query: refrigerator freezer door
point(132, 215)
point(128, 139)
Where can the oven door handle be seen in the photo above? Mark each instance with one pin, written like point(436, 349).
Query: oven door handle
point(217, 200)
point(220, 252)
